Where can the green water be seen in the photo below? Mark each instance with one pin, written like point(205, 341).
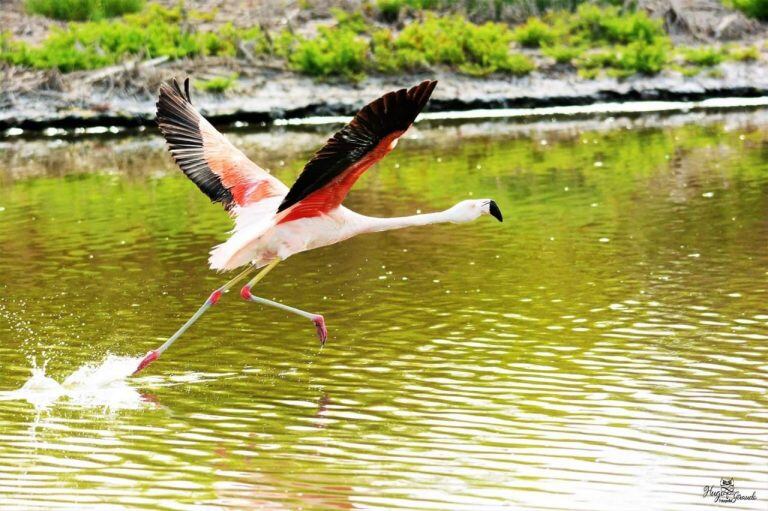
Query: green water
point(606, 347)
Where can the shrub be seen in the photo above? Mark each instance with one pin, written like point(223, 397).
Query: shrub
point(744, 53)
point(642, 57)
point(217, 85)
point(451, 41)
point(703, 56)
point(334, 52)
point(561, 53)
point(592, 24)
point(754, 8)
point(83, 10)
point(535, 34)
point(390, 9)
point(638, 57)
point(154, 32)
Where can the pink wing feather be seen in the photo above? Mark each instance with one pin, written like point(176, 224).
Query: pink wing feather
point(218, 168)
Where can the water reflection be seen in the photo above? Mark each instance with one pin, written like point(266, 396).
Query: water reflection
point(605, 349)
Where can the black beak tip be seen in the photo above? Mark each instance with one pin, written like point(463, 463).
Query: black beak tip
point(494, 210)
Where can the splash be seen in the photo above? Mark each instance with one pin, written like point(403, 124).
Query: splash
point(91, 386)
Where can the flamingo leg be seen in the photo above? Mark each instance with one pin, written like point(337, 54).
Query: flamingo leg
point(211, 301)
point(317, 319)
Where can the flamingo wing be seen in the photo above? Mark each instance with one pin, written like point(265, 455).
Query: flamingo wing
point(371, 135)
point(218, 168)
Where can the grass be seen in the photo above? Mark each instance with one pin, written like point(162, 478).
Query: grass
point(561, 53)
point(744, 53)
point(703, 56)
point(156, 31)
point(753, 8)
point(83, 10)
point(476, 10)
point(600, 38)
point(218, 84)
point(592, 39)
point(535, 33)
point(334, 52)
point(449, 41)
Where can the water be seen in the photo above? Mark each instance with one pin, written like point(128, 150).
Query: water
point(604, 348)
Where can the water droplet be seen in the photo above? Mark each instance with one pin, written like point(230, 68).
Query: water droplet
point(708, 195)
point(604, 240)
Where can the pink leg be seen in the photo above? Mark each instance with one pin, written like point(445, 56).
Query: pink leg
point(317, 319)
point(210, 302)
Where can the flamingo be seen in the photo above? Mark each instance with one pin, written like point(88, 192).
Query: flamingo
point(273, 222)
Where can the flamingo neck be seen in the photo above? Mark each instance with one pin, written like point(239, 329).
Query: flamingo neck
point(375, 224)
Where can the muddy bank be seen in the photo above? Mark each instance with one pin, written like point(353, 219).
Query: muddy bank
point(270, 96)
point(287, 147)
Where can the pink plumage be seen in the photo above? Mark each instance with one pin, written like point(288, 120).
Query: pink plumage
point(273, 222)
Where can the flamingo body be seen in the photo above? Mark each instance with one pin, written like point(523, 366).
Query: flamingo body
point(274, 222)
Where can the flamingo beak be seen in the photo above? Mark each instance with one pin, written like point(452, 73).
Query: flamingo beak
point(495, 212)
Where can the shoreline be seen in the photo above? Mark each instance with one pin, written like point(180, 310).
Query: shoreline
point(279, 96)
point(111, 151)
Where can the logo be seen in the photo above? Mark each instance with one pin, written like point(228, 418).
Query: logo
point(727, 492)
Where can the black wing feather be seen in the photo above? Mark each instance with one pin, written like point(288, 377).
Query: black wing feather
point(391, 113)
point(180, 125)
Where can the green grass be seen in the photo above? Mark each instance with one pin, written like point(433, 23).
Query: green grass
point(154, 32)
point(561, 53)
point(334, 52)
point(593, 25)
point(600, 38)
point(592, 39)
point(218, 84)
point(535, 33)
point(477, 11)
point(703, 56)
point(753, 8)
point(83, 10)
point(744, 53)
point(449, 41)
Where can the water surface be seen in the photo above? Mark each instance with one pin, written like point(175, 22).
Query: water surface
point(604, 348)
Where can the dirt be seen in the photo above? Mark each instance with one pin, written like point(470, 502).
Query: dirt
point(270, 95)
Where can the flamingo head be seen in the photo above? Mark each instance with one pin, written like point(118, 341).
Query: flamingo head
point(468, 210)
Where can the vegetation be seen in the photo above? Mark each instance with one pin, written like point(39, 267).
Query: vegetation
point(476, 10)
point(154, 32)
point(744, 53)
point(754, 8)
point(535, 34)
point(592, 39)
point(218, 84)
point(451, 41)
point(83, 10)
point(333, 52)
point(703, 56)
point(595, 38)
